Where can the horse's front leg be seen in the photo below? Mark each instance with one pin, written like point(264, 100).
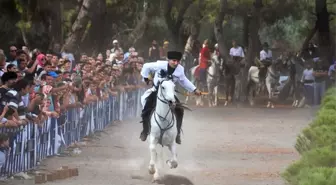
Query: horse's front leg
point(215, 95)
point(210, 91)
point(227, 92)
point(172, 163)
point(269, 90)
point(152, 169)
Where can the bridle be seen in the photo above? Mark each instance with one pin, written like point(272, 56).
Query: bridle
point(164, 118)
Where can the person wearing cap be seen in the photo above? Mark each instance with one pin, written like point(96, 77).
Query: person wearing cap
point(173, 68)
point(265, 60)
point(116, 47)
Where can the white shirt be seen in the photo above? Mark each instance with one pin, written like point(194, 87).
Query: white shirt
point(264, 55)
point(237, 52)
point(178, 75)
point(308, 75)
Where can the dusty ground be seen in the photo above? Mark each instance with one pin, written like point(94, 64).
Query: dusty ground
point(233, 146)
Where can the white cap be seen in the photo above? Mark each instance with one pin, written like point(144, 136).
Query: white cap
point(115, 41)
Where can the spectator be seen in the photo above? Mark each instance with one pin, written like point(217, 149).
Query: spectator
point(116, 47)
point(12, 68)
point(320, 74)
point(308, 81)
point(12, 54)
point(67, 55)
point(4, 148)
point(2, 63)
point(20, 88)
point(154, 52)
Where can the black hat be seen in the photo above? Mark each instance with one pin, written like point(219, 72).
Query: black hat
point(174, 55)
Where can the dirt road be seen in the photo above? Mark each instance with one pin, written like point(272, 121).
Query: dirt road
point(233, 146)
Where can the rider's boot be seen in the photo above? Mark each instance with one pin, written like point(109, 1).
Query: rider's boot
point(146, 115)
point(179, 117)
point(145, 127)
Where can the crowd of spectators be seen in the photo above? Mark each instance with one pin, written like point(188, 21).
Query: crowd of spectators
point(36, 85)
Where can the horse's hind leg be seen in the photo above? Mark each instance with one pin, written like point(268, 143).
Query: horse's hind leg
point(172, 163)
point(152, 169)
point(215, 96)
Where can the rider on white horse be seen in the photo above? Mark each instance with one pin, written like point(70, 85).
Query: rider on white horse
point(176, 72)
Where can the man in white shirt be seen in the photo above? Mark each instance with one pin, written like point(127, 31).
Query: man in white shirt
point(236, 52)
point(175, 70)
point(308, 82)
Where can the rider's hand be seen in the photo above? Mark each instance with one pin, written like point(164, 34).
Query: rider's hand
point(198, 92)
point(146, 80)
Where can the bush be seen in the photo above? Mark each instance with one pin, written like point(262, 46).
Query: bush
point(316, 144)
point(320, 157)
point(317, 176)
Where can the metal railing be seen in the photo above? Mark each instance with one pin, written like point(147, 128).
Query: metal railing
point(32, 143)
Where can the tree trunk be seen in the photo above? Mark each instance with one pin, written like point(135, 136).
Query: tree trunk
point(322, 26)
point(55, 28)
point(175, 26)
point(188, 58)
point(142, 25)
point(97, 33)
point(79, 26)
point(218, 30)
point(307, 39)
point(254, 44)
point(246, 23)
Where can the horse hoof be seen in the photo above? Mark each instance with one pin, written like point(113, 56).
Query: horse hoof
point(172, 164)
point(151, 170)
point(156, 178)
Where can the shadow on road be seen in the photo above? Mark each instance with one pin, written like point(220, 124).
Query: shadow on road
point(175, 180)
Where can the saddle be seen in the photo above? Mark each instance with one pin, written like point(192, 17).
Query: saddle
point(262, 66)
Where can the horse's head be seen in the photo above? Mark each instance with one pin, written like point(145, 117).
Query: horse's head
point(166, 91)
point(279, 63)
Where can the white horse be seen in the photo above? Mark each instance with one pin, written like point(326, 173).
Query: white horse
point(212, 78)
point(272, 78)
point(163, 126)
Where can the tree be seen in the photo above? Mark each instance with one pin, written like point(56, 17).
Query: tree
point(79, 26)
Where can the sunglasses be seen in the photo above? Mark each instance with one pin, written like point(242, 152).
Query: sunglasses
point(13, 50)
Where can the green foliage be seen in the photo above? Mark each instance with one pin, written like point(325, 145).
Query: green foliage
point(316, 158)
point(317, 145)
point(317, 176)
point(23, 25)
point(292, 31)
